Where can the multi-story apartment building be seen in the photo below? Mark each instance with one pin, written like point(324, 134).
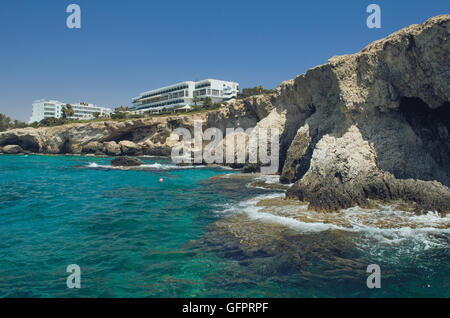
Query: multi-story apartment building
point(185, 93)
point(51, 108)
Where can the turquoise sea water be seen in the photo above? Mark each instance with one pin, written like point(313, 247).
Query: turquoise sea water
point(134, 236)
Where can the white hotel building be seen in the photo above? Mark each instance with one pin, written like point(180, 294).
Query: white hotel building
point(51, 108)
point(183, 94)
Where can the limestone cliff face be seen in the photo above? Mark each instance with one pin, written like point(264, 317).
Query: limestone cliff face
point(148, 136)
point(369, 125)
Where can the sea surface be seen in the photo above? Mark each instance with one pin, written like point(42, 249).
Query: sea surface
point(167, 231)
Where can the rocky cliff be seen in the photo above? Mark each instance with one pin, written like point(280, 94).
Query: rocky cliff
point(145, 136)
point(372, 125)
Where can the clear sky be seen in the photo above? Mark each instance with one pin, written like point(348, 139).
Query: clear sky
point(126, 47)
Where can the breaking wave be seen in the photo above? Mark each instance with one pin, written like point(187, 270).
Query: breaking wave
point(384, 224)
point(152, 166)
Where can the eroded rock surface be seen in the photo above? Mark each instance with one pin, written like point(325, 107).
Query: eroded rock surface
point(126, 161)
point(374, 124)
point(111, 148)
point(12, 149)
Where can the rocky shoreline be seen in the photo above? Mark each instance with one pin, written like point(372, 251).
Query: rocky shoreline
point(369, 126)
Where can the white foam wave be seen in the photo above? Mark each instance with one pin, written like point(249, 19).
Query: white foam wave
point(159, 166)
point(384, 224)
point(250, 208)
point(291, 223)
point(269, 178)
point(227, 168)
point(153, 166)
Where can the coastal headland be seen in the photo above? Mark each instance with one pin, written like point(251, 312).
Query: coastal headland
point(371, 125)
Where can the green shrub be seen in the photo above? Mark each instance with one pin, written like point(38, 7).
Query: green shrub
point(257, 90)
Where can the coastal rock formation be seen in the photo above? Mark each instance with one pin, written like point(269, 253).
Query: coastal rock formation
point(130, 148)
point(344, 173)
point(94, 147)
point(12, 149)
point(125, 161)
point(111, 148)
point(148, 136)
point(372, 125)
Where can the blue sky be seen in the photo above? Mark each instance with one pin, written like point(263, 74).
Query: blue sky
point(127, 47)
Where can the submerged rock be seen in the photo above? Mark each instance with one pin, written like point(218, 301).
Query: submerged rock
point(126, 161)
point(269, 248)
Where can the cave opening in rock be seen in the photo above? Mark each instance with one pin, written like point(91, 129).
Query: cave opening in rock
point(25, 143)
point(431, 125)
point(119, 136)
point(136, 135)
point(66, 147)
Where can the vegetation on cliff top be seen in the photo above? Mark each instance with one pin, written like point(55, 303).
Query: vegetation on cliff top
point(257, 90)
point(7, 123)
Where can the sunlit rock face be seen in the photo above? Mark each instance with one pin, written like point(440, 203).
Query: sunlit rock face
point(374, 124)
point(148, 136)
